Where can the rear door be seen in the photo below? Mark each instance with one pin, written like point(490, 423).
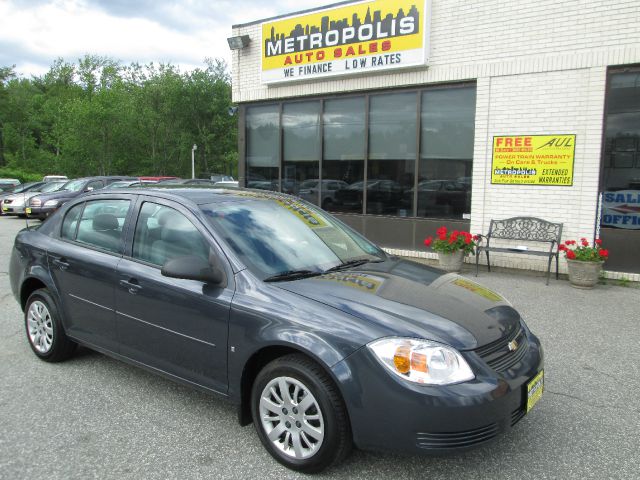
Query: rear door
point(177, 326)
point(83, 261)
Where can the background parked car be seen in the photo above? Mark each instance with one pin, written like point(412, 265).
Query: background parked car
point(187, 181)
point(7, 184)
point(309, 191)
point(41, 206)
point(53, 178)
point(24, 187)
point(15, 203)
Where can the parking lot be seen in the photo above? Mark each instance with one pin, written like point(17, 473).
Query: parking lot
point(94, 417)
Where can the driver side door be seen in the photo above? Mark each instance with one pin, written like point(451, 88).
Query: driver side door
point(173, 325)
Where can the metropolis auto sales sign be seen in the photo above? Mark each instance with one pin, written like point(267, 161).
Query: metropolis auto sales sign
point(362, 37)
point(533, 160)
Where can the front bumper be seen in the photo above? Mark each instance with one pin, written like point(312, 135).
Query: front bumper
point(11, 209)
point(40, 212)
point(388, 413)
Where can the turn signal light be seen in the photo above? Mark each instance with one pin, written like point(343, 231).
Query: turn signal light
point(401, 359)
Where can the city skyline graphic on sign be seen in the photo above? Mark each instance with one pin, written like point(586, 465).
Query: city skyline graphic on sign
point(326, 25)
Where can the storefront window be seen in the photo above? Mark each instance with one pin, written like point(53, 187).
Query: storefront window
point(344, 153)
point(328, 146)
point(446, 152)
point(263, 147)
point(301, 137)
point(392, 154)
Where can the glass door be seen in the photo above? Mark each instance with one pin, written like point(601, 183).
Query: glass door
point(620, 181)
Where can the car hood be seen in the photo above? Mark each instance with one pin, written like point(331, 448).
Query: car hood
point(61, 195)
point(20, 196)
point(409, 299)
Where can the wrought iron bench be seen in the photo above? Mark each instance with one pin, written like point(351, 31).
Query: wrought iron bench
point(524, 229)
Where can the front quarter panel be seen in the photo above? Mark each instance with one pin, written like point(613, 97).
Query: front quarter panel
point(263, 315)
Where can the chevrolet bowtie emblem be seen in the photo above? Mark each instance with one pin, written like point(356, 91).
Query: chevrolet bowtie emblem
point(513, 345)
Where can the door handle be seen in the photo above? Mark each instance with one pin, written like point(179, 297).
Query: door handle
point(132, 285)
point(60, 263)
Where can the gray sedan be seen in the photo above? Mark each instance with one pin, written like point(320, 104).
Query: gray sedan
point(321, 339)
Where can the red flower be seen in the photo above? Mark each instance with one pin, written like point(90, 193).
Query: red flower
point(604, 253)
point(442, 231)
point(442, 236)
point(571, 255)
point(428, 241)
point(467, 239)
point(585, 243)
point(476, 237)
point(562, 247)
point(598, 242)
point(452, 239)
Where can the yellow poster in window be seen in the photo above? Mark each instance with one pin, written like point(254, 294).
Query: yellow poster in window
point(533, 160)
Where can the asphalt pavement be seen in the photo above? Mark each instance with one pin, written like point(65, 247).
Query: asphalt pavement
point(94, 417)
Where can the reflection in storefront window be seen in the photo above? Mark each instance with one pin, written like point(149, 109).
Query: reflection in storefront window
point(301, 144)
point(446, 152)
point(621, 163)
point(392, 153)
point(263, 147)
point(344, 153)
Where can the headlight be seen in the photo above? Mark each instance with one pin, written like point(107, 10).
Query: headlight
point(35, 202)
point(422, 361)
point(52, 203)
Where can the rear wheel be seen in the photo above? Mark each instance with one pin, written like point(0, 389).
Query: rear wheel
point(44, 329)
point(299, 414)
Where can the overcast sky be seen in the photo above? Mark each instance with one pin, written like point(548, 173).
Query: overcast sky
point(33, 33)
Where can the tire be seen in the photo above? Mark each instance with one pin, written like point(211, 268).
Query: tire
point(308, 439)
point(45, 333)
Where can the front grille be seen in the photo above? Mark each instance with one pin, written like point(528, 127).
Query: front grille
point(436, 441)
point(498, 355)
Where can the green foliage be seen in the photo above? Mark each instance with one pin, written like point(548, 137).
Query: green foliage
point(100, 117)
point(21, 175)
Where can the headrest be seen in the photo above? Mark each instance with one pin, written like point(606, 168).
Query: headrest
point(104, 222)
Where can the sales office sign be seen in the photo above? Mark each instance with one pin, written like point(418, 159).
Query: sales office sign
point(362, 37)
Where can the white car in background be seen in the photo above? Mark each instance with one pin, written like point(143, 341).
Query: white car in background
point(309, 191)
point(15, 203)
point(55, 178)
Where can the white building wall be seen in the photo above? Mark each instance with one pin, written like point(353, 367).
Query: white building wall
point(540, 67)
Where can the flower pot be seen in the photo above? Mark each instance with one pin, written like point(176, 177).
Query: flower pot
point(584, 274)
point(451, 262)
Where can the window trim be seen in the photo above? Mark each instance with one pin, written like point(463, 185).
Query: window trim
point(90, 246)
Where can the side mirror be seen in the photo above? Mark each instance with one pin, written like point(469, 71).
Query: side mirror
point(88, 189)
point(194, 268)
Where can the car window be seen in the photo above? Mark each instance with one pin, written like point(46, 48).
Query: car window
point(102, 222)
point(95, 185)
point(163, 233)
point(70, 222)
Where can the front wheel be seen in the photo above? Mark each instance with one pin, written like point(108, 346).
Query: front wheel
point(299, 414)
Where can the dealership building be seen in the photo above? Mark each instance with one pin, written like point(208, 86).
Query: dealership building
point(401, 116)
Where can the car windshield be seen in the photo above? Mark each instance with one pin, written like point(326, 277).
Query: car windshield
point(278, 235)
point(74, 185)
point(121, 184)
point(51, 187)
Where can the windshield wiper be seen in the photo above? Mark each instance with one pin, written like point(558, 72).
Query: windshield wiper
point(292, 275)
point(353, 263)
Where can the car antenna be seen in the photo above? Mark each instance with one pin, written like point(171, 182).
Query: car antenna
point(24, 202)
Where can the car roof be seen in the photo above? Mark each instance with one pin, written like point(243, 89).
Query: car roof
point(201, 195)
